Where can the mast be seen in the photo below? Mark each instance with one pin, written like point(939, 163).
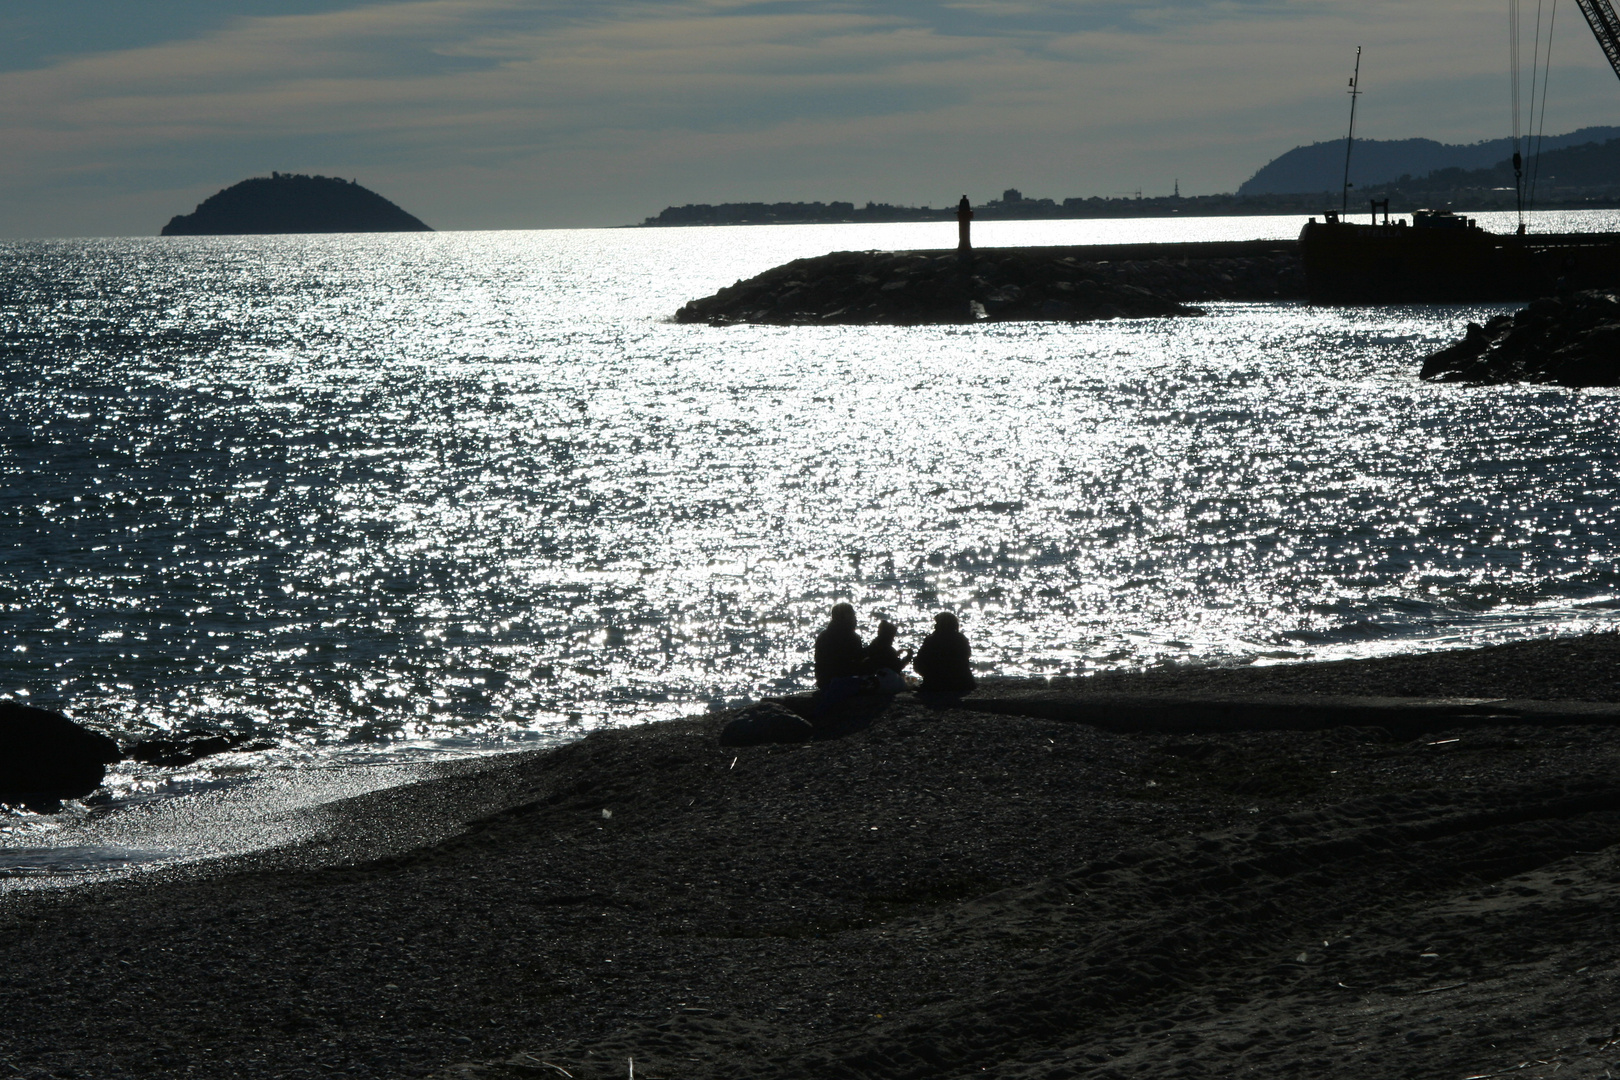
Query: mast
point(1355, 92)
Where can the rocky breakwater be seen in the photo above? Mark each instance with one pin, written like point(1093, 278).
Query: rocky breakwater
point(1067, 284)
point(1564, 341)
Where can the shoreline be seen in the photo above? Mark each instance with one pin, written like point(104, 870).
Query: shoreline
point(258, 818)
point(942, 893)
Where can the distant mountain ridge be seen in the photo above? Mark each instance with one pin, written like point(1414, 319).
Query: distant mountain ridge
point(1572, 170)
point(293, 203)
point(1374, 162)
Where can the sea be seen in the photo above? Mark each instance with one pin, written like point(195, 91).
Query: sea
point(383, 502)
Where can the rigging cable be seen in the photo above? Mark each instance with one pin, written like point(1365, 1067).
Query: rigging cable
point(1535, 61)
point(1513, 63)
point(1541, 124)
point(1513, 69)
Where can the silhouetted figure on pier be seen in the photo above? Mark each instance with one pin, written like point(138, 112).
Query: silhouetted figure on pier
point(944, 659)
point(964, 215)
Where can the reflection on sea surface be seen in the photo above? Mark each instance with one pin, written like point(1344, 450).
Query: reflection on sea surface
point(384, 490)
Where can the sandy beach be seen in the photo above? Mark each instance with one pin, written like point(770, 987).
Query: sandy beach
point(946, 893)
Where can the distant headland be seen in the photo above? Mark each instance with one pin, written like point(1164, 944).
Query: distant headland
point(1012, 206)
point(1577, 171)
point(293, 203)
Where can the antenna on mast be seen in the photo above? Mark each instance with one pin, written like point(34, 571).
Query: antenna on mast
point(1355, 92)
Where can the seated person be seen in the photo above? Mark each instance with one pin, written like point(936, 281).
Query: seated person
point(943, 660)
point(883, 662)
point(840, 659)
point(881, 654)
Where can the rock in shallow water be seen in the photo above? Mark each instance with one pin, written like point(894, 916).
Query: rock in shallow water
point(45, 757)
point(1565, 341)
point(191, 747)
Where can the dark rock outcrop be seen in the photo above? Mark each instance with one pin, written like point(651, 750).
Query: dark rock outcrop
point(1565, 341)
point(190, 747)
point(1005, 284)
point(284, 203)
point(45, 757)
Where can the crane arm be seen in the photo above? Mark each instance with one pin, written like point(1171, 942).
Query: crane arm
point(1605, 26)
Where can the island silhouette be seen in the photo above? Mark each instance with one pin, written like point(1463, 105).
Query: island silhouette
point(293, 203)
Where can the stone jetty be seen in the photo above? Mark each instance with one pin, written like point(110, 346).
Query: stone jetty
point(1058, 284)
point(1566, 341)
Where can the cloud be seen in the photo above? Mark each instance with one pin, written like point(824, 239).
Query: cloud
point(508, 112)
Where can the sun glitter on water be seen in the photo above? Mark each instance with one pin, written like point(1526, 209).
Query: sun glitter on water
point(368, 491)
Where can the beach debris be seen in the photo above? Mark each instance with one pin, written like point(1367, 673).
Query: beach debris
point(45, 758)
point(607, 815)
point(1505, 1072)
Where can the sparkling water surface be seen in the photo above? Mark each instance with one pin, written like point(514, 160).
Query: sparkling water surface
point(381, 498)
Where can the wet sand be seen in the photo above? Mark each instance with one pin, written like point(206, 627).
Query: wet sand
point(947, 893)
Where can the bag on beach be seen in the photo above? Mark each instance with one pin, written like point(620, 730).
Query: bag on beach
point(764, 723)
point(888, 682)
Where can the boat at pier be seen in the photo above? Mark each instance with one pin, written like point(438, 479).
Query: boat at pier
point(1441, 257)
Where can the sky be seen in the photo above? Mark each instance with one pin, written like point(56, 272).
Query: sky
point(514, 114)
